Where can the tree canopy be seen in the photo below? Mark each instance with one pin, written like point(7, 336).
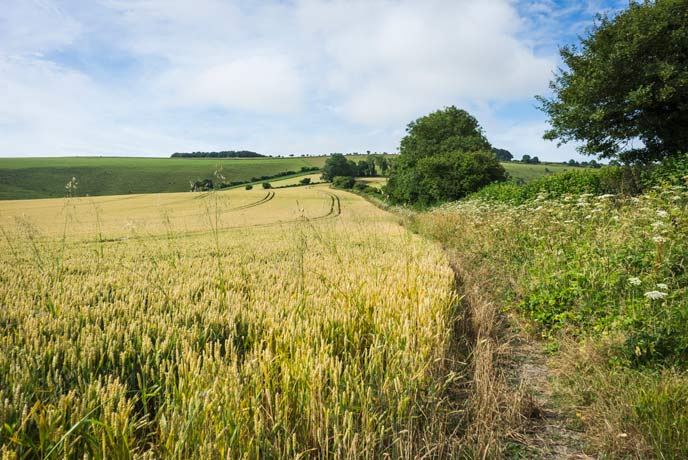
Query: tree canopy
point(502, 154)
point(624, 91)
point(444, 156)
point(338, 165)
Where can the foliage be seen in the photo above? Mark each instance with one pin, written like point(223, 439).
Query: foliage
point(266, 185)
point(248, 187)
point(606, 272)
point(444, 156)
point(345, 182)
point(339, 165)
point(502, 154)
point(305, 181)
point(626, 82)
point(527, 159)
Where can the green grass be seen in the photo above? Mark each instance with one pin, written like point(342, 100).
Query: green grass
point(23, 178)
point(528, 173)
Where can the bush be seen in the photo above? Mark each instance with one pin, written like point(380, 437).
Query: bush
point(305, 181)
point(249, 187)
point(267, 185)
point(345, 182)
point(446, 177)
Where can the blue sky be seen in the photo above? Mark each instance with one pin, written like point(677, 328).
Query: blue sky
point(152, 77)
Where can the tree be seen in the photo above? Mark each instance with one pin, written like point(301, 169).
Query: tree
point(503, 155)
point(366, 168)
point(444, 156)
point(338, 165)
point(525, 159)
point(624, 91)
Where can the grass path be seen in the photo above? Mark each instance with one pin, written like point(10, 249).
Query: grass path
point(546, 432)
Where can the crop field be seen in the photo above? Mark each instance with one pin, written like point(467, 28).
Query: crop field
point(315, 178)
point(289, 323)
point(528, 172)
point(23, 178)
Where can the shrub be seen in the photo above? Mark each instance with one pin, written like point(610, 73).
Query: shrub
point(305, 181)
point(267, 185)
point(345, 182)
point(249, 187)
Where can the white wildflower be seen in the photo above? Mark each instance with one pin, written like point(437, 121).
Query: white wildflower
point(634, 281)
point(662, 213)
point(655, 295)
point(608, 195)
point(662, 286)
point(657, 224)
point(659, 239)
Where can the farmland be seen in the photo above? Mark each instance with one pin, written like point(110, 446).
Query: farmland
point(24, 178)
point(292, 323)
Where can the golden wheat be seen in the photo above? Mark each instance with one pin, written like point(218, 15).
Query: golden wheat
point(307, 324)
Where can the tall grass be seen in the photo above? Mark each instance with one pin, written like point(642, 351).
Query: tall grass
point(604, 280)
point(325, 339)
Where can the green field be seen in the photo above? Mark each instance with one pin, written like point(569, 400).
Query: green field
point(528, 173)
point(23, 178)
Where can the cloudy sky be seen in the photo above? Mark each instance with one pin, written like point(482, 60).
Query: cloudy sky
point(152, 77)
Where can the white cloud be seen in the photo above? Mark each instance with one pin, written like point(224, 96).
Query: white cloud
point(268, 84)
point(392, 61)
point(301, 76)
point(35, 26)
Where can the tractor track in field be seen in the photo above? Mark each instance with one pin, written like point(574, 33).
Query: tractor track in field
point(335, 210)
point(265, 199)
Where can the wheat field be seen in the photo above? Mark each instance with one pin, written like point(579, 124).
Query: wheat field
point(292, 323)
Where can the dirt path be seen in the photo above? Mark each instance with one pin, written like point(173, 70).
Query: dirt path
point(514, 414)
point(546, 431)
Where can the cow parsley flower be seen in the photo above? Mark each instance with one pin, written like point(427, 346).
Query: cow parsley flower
point(634, 281)
point(662, 286)
point(662, 213)
point(655, 295)
point(658, 239)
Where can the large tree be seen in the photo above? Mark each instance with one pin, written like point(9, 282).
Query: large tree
point(624, 90)
point(444, 156)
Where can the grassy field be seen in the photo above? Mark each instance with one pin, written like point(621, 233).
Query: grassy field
point(290, 323)
point(528, 173)
point(22, 178)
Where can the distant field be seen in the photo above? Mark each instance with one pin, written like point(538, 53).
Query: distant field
point(22, 178)
point(529, 173)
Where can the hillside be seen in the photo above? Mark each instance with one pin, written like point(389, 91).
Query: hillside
point(22, 178)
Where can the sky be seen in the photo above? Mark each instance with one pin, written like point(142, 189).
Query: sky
point(279, 77)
